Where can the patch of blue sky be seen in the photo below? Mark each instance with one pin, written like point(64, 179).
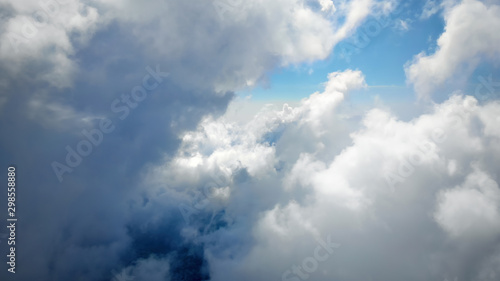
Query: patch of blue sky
point(382, 49)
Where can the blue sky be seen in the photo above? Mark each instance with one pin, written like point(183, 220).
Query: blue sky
point(381, 59)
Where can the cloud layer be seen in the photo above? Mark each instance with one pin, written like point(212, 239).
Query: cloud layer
point(155, 182)
point(78, 89)
point(404, 200)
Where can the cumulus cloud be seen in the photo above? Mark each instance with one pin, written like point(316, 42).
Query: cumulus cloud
point(178, 191)
point(394, 199)
point(465, 43)
point(68, 67)
point(471, 210)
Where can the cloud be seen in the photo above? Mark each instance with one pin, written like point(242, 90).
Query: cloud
point(471, 210)
point(179, 191)
point(292, 177)
point(465, 43)
point(431, 7)
point(403, 25)
point(152, 268)
point(64, 64)
point(45, 32)
point(327, 6)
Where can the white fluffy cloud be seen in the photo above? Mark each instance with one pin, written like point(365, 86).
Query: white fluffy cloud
point(472, 210)
point(465, 43)
point(304, 188)
point(261, 33)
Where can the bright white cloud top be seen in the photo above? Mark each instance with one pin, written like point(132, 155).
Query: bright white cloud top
point(420, 193)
